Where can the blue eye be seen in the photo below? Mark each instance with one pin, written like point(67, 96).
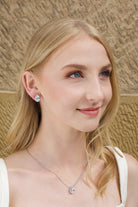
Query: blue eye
point(76, 74)
point(105, 73)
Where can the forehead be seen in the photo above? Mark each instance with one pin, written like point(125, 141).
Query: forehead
point(81, 49)
point(80, 41)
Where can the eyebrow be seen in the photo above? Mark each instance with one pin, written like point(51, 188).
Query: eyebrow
point(84, 67)
point(81, 67)
point(106, 66)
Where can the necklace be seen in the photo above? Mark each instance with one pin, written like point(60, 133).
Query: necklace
point(71, 189)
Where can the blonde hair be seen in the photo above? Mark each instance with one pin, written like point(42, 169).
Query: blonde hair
point(24, 127)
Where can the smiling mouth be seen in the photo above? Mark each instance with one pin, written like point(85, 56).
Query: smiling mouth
point(90, 111)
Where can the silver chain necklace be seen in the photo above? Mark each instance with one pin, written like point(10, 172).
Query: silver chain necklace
point(71, 189)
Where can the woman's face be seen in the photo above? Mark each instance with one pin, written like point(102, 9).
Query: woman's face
point(75, 84)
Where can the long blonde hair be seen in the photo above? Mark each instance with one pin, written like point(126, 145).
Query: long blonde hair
point(24, 127)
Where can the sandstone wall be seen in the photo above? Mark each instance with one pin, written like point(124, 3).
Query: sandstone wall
point(115, 19)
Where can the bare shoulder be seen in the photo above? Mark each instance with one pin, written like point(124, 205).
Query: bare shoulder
point(16, 166)
point(132, 180)
point(16, 160)
point(19, 172)
point(19, 163)
point(132, 166)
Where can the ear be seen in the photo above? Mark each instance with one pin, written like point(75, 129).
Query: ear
point(29, 82)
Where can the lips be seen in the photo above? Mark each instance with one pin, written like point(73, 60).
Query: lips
point(91, 111)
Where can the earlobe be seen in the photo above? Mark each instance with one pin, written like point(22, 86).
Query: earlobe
point(29, 83)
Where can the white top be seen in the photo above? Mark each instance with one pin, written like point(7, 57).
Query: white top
point(122, 169)
point(4, 185)
point(123, 174)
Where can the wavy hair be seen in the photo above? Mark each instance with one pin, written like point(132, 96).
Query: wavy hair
point(26, 122)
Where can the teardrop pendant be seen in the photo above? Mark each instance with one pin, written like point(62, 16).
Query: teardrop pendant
point(71, 190)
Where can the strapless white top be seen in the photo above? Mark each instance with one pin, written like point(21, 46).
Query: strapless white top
point(122, 169)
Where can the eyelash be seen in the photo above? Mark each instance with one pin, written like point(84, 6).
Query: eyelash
point(75, 72)
point(103, 74)
point(106, 73)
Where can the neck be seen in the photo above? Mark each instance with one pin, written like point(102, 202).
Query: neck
point(59, 147)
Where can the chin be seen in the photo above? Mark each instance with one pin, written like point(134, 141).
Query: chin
point(89, 128)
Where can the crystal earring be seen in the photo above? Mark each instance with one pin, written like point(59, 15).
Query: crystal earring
point(37, 98)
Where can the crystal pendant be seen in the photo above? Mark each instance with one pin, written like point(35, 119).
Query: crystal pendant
point(72, 190)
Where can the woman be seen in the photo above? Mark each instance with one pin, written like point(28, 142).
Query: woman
point(67, 97)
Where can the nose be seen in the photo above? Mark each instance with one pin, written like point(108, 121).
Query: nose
point(94, 92)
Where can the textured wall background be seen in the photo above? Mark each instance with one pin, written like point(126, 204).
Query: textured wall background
point(19, 19)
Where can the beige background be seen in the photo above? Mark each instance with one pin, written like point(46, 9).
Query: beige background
point(116, 19)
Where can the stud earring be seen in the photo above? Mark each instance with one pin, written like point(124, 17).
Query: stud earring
point(37, 98)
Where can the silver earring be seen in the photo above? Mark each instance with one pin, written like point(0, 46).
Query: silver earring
point(37, 98)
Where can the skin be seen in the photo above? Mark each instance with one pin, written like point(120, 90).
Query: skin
point(64, 91)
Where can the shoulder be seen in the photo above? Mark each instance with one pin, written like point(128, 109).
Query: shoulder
point(17, 168)
point(16, 160)
point(131, 160)
point(132, 179)
point(17, 164)
point(132, 167)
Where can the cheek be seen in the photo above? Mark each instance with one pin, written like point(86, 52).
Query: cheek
point(108, 94)
point(59, 93)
